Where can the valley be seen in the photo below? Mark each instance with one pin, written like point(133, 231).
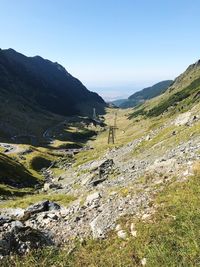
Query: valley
point(77, 198)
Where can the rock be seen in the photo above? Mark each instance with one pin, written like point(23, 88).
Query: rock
point(182, 119)
point(103, 171)
point(53, 216)
point(148, 138)
point(46, 186)
point(50, 185)
point(96, 231)
point(122, 234)
point(11, 213)
point(22, 240)
point(17, 224)
point(4, 248)
point(106, 164)
point(133, 231)
point(4, 219)
point(42, 206)
point(118, 227)
point(95, 182)
point(93, 198)
point(146, 216)
point(38, 207)
point(53, 206)
point(143, 261)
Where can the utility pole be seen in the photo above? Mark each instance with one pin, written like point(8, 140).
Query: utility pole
point(111, 135)
point(115, 124)
point(112, 131)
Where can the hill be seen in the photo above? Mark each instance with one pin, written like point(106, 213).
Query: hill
point(119, 102)
point(146, 93)
point(36, 93)
point(181, 96)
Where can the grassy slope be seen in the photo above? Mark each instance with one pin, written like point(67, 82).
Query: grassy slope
point(180, 97)
point(12, 173)
point(25, 171)
point(31, 199)
point(19, 176)
point(170, 238)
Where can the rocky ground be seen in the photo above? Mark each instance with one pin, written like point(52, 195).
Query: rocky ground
point(119, 183)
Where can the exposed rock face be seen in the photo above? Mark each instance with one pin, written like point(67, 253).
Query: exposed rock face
point(102, 172)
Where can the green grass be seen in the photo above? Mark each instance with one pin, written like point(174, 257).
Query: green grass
point(179, 101)
point(31, 199)
point(170, 238)
point(7, 191)
point(13, 173)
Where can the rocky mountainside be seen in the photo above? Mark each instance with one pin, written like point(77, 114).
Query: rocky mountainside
point(145, 94)
point(33, 87)
point(127, 196)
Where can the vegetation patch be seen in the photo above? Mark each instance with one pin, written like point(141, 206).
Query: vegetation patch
point(181, 100)
point(38, 163)
point(14, 174)
point(26, 201)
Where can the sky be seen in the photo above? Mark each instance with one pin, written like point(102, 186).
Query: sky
point(115, 47)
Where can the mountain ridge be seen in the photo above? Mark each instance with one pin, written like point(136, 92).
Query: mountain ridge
point(146, 93)
point(33, 87)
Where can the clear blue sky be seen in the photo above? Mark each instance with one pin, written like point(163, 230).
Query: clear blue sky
point(113, 46)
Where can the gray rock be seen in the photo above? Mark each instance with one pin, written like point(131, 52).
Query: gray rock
point(42, 206)
point(122, 234)
point(17, 224)
point(22, 240)
point(38, 207)
point(4, 219)
point(4, 248)
point(53, 206)
point(94, 197)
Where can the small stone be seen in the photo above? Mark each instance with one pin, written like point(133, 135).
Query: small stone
point(17, 224)
point(143, 261)
point(92, 198)
point(122, 234)
point(118, 227)
point(134, 233)
point(145, 216)
point(148, 138)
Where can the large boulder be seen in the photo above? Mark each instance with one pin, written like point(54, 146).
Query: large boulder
point(42, 206)
point(21, 240)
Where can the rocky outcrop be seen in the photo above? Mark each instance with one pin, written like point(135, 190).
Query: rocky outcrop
point(22, 239)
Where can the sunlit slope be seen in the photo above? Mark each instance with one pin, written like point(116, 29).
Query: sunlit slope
point(182, 95)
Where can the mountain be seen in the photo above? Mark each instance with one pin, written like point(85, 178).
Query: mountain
point(33, 88)
point(119, 102)
point(181, 96)
point(146, 93)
